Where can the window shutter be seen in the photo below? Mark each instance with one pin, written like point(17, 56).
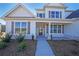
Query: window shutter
point(28, 27)
point(60, 14)
point(12, 27)
point(49, 14)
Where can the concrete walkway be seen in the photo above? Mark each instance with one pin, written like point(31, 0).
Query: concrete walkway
point(43, 48)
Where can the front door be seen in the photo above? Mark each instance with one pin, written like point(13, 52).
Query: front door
point(41, 28)
point(41, 31)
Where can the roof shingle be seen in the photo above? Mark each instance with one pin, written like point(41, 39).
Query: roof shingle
point(74, 14)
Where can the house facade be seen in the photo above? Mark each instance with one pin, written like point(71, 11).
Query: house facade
point(53, 19)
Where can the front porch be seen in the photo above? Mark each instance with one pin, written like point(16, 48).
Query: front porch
point(49, 28)
point(37, 26)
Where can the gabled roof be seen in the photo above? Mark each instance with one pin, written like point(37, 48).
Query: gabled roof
point(55, 5)
point(74, 14)
point(58, 5)
point(19, 13)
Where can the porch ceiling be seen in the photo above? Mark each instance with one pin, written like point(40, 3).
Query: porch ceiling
point(41, 19)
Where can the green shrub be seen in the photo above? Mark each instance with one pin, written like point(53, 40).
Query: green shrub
point(6, 38)
point(2, 44)
point(21, 46)
point(20, 38)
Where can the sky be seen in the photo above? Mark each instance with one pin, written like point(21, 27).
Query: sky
point(4, 7)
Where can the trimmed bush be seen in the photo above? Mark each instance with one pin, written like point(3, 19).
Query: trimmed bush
point(2, 44)
point(6, 38)
point(20, 38)
point(21, 46)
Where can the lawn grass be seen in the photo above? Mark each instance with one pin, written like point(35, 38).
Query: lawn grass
point(65, 47)
point(11, 49)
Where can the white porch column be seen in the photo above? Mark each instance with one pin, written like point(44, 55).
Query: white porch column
point(45, 30)
point(33, 28)
point(49, 28)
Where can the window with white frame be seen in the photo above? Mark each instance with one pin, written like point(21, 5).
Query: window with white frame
point(21, 27)
point(51, 14)
point(57, 28)
point(55, 14)
point(41, 15)
point(17, 27)
point(52, 28)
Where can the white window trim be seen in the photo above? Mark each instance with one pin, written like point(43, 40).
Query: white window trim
point(60, 14)
point(21, 27)
point(57, 28)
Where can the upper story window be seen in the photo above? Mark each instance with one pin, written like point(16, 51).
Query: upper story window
point(55, 14)
point(41, 15)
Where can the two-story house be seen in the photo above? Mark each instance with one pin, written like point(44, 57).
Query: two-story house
point(53, 19)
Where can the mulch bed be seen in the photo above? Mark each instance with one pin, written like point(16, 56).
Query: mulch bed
point(11, 49)
point(65, 47)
